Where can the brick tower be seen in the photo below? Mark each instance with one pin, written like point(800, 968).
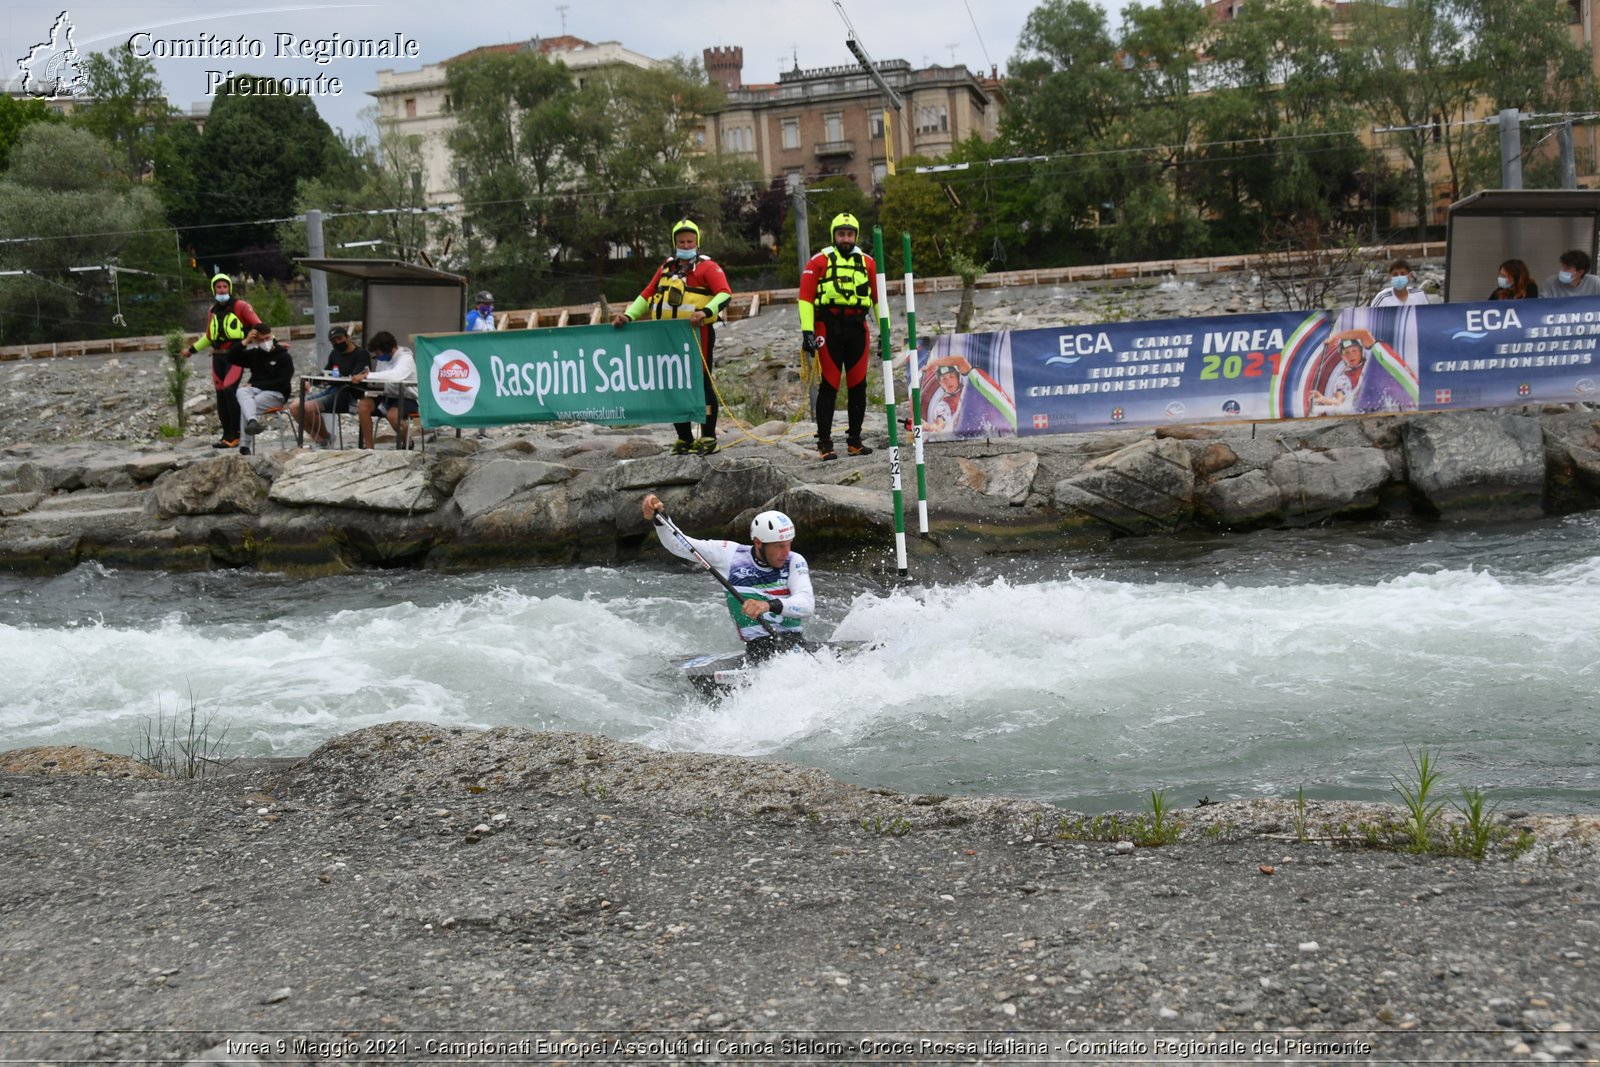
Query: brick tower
point(725, 66)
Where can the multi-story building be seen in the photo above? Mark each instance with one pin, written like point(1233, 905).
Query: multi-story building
point(830, 120)
point(414, 100)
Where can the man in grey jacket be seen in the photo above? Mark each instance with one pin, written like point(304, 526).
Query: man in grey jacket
point(1573, 279)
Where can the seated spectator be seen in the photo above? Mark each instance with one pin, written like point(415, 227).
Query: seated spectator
point(1402, 290)
point(271, 368)
point(395, 367)
point(1573, 279)
point(1514, 282)
point(345, 360)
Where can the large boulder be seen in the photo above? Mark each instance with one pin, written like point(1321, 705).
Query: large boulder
point(1145, 487)
point(492, 482)
point(1008, 478)
point(1476, 465)
point(366, 480)
point(1572, 460)
point(223, 485)
point(1243, 501)
point(1341, 481)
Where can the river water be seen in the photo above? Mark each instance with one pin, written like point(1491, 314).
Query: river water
point(1221, 666)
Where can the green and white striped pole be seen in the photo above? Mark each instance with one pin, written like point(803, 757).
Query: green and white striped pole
point(886, 353)
point(915, 373)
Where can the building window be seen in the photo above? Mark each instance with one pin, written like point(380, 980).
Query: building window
point(875, 124)
point(833, 125)
point(933, 119)
point(411, 107)
point(791, 133)
point(880, 171)
point(700, 138)
point(738, 139)
point(792, 178)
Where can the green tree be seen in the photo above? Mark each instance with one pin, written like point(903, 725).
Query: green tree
point(1519, 56)
point(1163, 48)
point(1283, 119)
point(1069, 94)
point(1415, 78)
point(258, 144)
point(65, 198)
point(127, 107)
point(942, 229)
point(514, 146)
point(15, 117)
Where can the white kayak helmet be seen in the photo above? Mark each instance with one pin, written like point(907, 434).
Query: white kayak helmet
point(771, 526)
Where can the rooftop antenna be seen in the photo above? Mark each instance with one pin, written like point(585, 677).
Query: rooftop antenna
point(562, 8)
point(952, 49)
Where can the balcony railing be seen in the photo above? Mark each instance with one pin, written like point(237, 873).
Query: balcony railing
point(836, 148)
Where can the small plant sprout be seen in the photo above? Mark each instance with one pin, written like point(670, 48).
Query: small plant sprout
point(1481, 831)
point(1417, 798)
point(1300, 834)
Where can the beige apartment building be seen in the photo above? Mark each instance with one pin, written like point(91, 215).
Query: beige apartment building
point(414, 100)
point(830, 120)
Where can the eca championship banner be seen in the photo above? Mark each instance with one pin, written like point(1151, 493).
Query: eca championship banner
point(1285, 365)
point(646, 372)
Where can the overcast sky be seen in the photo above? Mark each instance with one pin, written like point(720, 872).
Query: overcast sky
point(772, 32)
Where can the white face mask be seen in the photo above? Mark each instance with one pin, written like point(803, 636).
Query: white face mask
point(1505, 283)
point(1399, 282)
point(1565, 276)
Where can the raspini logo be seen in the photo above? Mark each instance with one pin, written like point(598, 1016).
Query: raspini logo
point(50, 69)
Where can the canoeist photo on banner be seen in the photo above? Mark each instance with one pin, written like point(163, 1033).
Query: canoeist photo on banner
point(1277, 365)
point(1363, 363)
point(966, 386)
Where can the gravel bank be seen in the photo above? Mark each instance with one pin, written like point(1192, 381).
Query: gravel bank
point(407, 883)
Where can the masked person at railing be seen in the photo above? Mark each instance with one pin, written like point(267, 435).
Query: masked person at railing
point(230, 325)
point(1514, 282)
point(690, 286)
point(838, 300)
point(1401, 290)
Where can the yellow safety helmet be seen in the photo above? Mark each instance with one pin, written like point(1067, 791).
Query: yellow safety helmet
point(842, 220)
point(685, 224)
point(215, 278)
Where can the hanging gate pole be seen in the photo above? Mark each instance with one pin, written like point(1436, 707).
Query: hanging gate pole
point(886, 354)
point(915, 380)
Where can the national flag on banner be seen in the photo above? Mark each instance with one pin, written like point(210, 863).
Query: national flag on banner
point(1524, 389)
point(1441, 396)
point(1041, 422)
point(1116, 414)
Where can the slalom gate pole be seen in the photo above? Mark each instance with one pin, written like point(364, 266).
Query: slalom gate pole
point(916, 388)
point(886, 354)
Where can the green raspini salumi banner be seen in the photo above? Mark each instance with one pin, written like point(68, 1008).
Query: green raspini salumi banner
point(647, 372)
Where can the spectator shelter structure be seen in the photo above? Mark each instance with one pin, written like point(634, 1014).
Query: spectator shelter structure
point(1533, 225)
point(404, 298)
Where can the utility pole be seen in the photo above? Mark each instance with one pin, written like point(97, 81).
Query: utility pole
point(319, 285)
point(1510, 149)
point(1569, 158)
point(802, 225)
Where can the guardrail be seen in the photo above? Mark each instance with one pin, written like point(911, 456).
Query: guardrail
point(747, 305)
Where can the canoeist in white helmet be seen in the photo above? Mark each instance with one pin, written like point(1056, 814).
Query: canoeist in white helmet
point(770, 596)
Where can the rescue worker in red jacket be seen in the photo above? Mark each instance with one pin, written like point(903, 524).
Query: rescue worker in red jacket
point(838, 300)
point(230, 326)
point(692, 286)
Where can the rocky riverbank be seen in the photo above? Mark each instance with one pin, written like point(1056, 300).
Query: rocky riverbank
point(80, 478)
point(409, 884)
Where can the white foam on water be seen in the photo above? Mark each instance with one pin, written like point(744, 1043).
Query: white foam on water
point(1076, 690)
